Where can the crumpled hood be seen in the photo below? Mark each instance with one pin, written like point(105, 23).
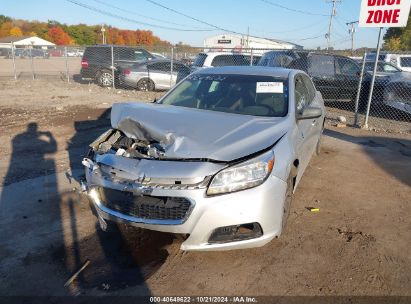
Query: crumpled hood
point(193, 133)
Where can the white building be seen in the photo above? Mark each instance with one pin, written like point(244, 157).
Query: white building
point(25, 41)
point(240, 42)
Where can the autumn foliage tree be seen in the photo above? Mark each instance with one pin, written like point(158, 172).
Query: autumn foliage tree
point(16, 31)
point(79, 34)
point(398, 38)
point(58, 36)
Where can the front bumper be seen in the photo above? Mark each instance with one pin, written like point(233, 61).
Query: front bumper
point(262, 205)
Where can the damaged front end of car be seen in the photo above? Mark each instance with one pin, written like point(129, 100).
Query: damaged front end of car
point(145, 174)
point(128, 178)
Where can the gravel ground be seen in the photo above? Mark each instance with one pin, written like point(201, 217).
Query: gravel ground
point(357, 244)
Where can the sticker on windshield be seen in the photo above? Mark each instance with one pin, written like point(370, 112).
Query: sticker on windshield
point(270, 87)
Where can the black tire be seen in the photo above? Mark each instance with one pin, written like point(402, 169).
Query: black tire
point(287, 202)
point(145, 84)
point(104, 78)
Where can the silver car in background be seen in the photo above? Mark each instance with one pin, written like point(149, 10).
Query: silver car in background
point(216, 159)
point(156, 74)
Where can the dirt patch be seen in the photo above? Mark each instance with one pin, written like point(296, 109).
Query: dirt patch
point(121, 258)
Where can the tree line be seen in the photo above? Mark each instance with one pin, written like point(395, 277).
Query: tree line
point(78, 34)
point(398, 38)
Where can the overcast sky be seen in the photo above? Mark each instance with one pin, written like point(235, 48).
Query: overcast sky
point(262, 19)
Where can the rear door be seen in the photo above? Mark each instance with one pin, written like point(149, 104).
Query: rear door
point(347, 76)
point(160, 73)
point(321, 69)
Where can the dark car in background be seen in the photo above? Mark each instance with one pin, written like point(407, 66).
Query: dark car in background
point(335, 76)
point(96, 63)
point(157, 74)
point(397, 93)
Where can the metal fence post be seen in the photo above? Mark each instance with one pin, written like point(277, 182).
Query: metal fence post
point(32, 63)
point(112, 67)
point(171, 66)
point(367, 114)
point(252, 57)
point(14, 61)
point(357, 98)
point(67, 66)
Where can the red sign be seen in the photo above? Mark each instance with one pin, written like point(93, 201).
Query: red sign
point(384, 13)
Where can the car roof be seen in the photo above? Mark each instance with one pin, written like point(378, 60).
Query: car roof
point(247, 70)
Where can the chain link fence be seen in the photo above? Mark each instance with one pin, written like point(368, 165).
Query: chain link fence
point(343, 78)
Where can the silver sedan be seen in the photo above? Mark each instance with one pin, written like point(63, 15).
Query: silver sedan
point(217, 159)
point(158, 74)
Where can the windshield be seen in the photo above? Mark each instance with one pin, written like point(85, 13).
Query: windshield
point(381, 67)
point(239, 94)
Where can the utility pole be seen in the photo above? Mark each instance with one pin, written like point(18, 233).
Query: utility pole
point(103, 30)
point(333, 14)
point(352, 31)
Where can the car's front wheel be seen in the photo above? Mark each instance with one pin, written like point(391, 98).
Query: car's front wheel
point(145, 84)
point(104, 78)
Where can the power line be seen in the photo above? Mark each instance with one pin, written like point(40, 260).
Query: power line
point(143, 16)
point(103, 12)
point(292, 9)
point(193, 18)
point(310, 38)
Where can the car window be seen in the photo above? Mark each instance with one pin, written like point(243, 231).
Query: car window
point(223, 60)
point(160, 67)
point(238, 94)
point(321, 65)
point(98, 53)
point(140, 56)
point(347, 67)
point(123, 54)
point(200, 59)
point(405, 62)
point(310, 88)
point(302, 96)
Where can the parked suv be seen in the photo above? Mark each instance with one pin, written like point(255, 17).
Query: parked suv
point(96, 62)
point(217, 59)
point(336, 77)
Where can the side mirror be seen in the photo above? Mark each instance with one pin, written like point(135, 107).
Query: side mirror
point(310, 113)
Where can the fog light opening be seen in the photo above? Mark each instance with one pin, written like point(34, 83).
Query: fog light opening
point(235, 233)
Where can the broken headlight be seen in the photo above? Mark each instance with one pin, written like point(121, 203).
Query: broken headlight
point(248, 174)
